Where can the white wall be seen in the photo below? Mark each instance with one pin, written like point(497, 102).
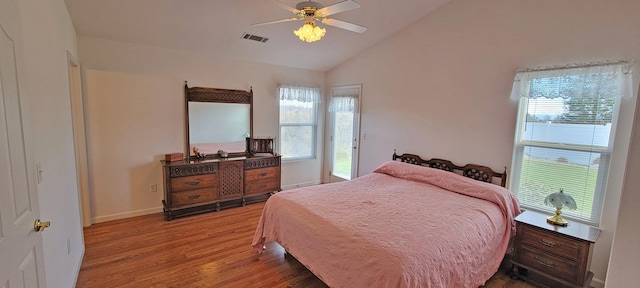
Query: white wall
point(48, 35)
point(135, 114)
point(441, 87)
point(625, 250)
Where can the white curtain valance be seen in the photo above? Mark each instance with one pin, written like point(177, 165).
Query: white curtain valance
point(345, 100)
point(608, 80)
point(299, 93)
point(344, 104)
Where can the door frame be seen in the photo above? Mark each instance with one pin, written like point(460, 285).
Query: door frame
point(79, 139)
point(355, 156)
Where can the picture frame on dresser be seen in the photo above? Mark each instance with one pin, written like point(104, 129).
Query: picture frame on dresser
point(548, 255)
point(209, 181)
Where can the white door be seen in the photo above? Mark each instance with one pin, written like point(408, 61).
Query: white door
point(21, 257)
point(345, 131)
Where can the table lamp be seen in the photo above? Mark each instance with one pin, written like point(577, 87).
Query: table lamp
point(558, 199)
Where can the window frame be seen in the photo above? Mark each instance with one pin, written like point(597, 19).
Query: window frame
point(313, 125)
point(520, 145)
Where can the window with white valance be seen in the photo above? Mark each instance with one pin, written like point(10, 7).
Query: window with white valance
point(564, 134)
point(298, 121)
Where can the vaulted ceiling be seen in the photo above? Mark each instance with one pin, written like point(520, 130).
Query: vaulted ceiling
point(216, 27)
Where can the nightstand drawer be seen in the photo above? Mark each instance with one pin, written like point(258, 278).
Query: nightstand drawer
point(194, 196)
point(552, 243)
point(549, 264)
point(193, 182)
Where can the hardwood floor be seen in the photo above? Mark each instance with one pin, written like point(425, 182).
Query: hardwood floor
point(206, 250)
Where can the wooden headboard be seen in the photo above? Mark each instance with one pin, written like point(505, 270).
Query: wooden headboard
point(477, 172)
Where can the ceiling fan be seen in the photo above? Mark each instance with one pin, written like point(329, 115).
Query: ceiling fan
point(310, 11)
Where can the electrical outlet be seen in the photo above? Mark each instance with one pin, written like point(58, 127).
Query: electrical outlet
point(153, 187)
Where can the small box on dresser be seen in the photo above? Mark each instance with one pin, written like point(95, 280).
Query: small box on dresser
point(171, 157)
point(548, 255)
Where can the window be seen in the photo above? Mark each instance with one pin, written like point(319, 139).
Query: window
point(298, 121)
point(564, 135)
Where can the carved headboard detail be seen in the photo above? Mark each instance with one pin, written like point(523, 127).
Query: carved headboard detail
point(473, 171)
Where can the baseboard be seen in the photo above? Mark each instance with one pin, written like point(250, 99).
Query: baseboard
point(294, 186)
point(78, 267)
point(597, 283)
point(129, 214)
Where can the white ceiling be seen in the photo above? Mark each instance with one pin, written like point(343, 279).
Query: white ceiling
point(216, 27)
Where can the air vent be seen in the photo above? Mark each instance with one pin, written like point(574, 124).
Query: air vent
point(254, 37)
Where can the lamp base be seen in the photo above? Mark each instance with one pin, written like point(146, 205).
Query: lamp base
point(557, 219)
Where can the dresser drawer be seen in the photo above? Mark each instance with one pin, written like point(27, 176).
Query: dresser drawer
point(264, 173)
point(552, 243)
point(549, 264)
point(261, 162)
point(194, 196)
point(262, 186)
point(193, 182)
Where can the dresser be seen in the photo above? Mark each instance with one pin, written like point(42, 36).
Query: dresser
point(548, 255)
point(196, 186)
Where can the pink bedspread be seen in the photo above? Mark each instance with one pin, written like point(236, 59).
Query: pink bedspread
point(401, 226)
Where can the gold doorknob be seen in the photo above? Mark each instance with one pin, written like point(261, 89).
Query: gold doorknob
point(40, 226)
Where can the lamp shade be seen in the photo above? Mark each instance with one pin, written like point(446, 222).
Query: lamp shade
point(309, 32)
point(558, 200)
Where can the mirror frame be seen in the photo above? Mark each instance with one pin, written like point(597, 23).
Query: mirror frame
point(204, 94)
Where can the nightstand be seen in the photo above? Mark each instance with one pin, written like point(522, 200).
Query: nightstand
point(547, 255)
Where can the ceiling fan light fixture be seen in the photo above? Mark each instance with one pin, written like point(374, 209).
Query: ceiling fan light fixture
point(309, 32)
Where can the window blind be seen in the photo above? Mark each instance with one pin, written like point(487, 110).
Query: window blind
point(564, 135)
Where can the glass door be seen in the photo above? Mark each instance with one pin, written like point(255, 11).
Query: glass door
point(345, 132)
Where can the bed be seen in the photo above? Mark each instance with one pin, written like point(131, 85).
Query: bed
point(409, 223)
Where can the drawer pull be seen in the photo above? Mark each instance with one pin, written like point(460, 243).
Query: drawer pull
point(263, 186)
point(193, 183)
point(262, 174)
point(548, 243)
point(545, 262)
point(194, 197)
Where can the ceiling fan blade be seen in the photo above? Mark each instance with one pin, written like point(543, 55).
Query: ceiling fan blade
point(286, 7)
point(338, 7)
point(344, 25)
point(275, 21)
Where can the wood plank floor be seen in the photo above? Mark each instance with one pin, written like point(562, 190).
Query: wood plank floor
point(206, 250)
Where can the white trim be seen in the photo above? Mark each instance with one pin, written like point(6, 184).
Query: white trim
point(299, 185)
point(79, 138)
point(128, 214)
point(597, 283)
point(78, 266)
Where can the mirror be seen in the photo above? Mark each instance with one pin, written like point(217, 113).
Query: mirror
point(218, 119)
